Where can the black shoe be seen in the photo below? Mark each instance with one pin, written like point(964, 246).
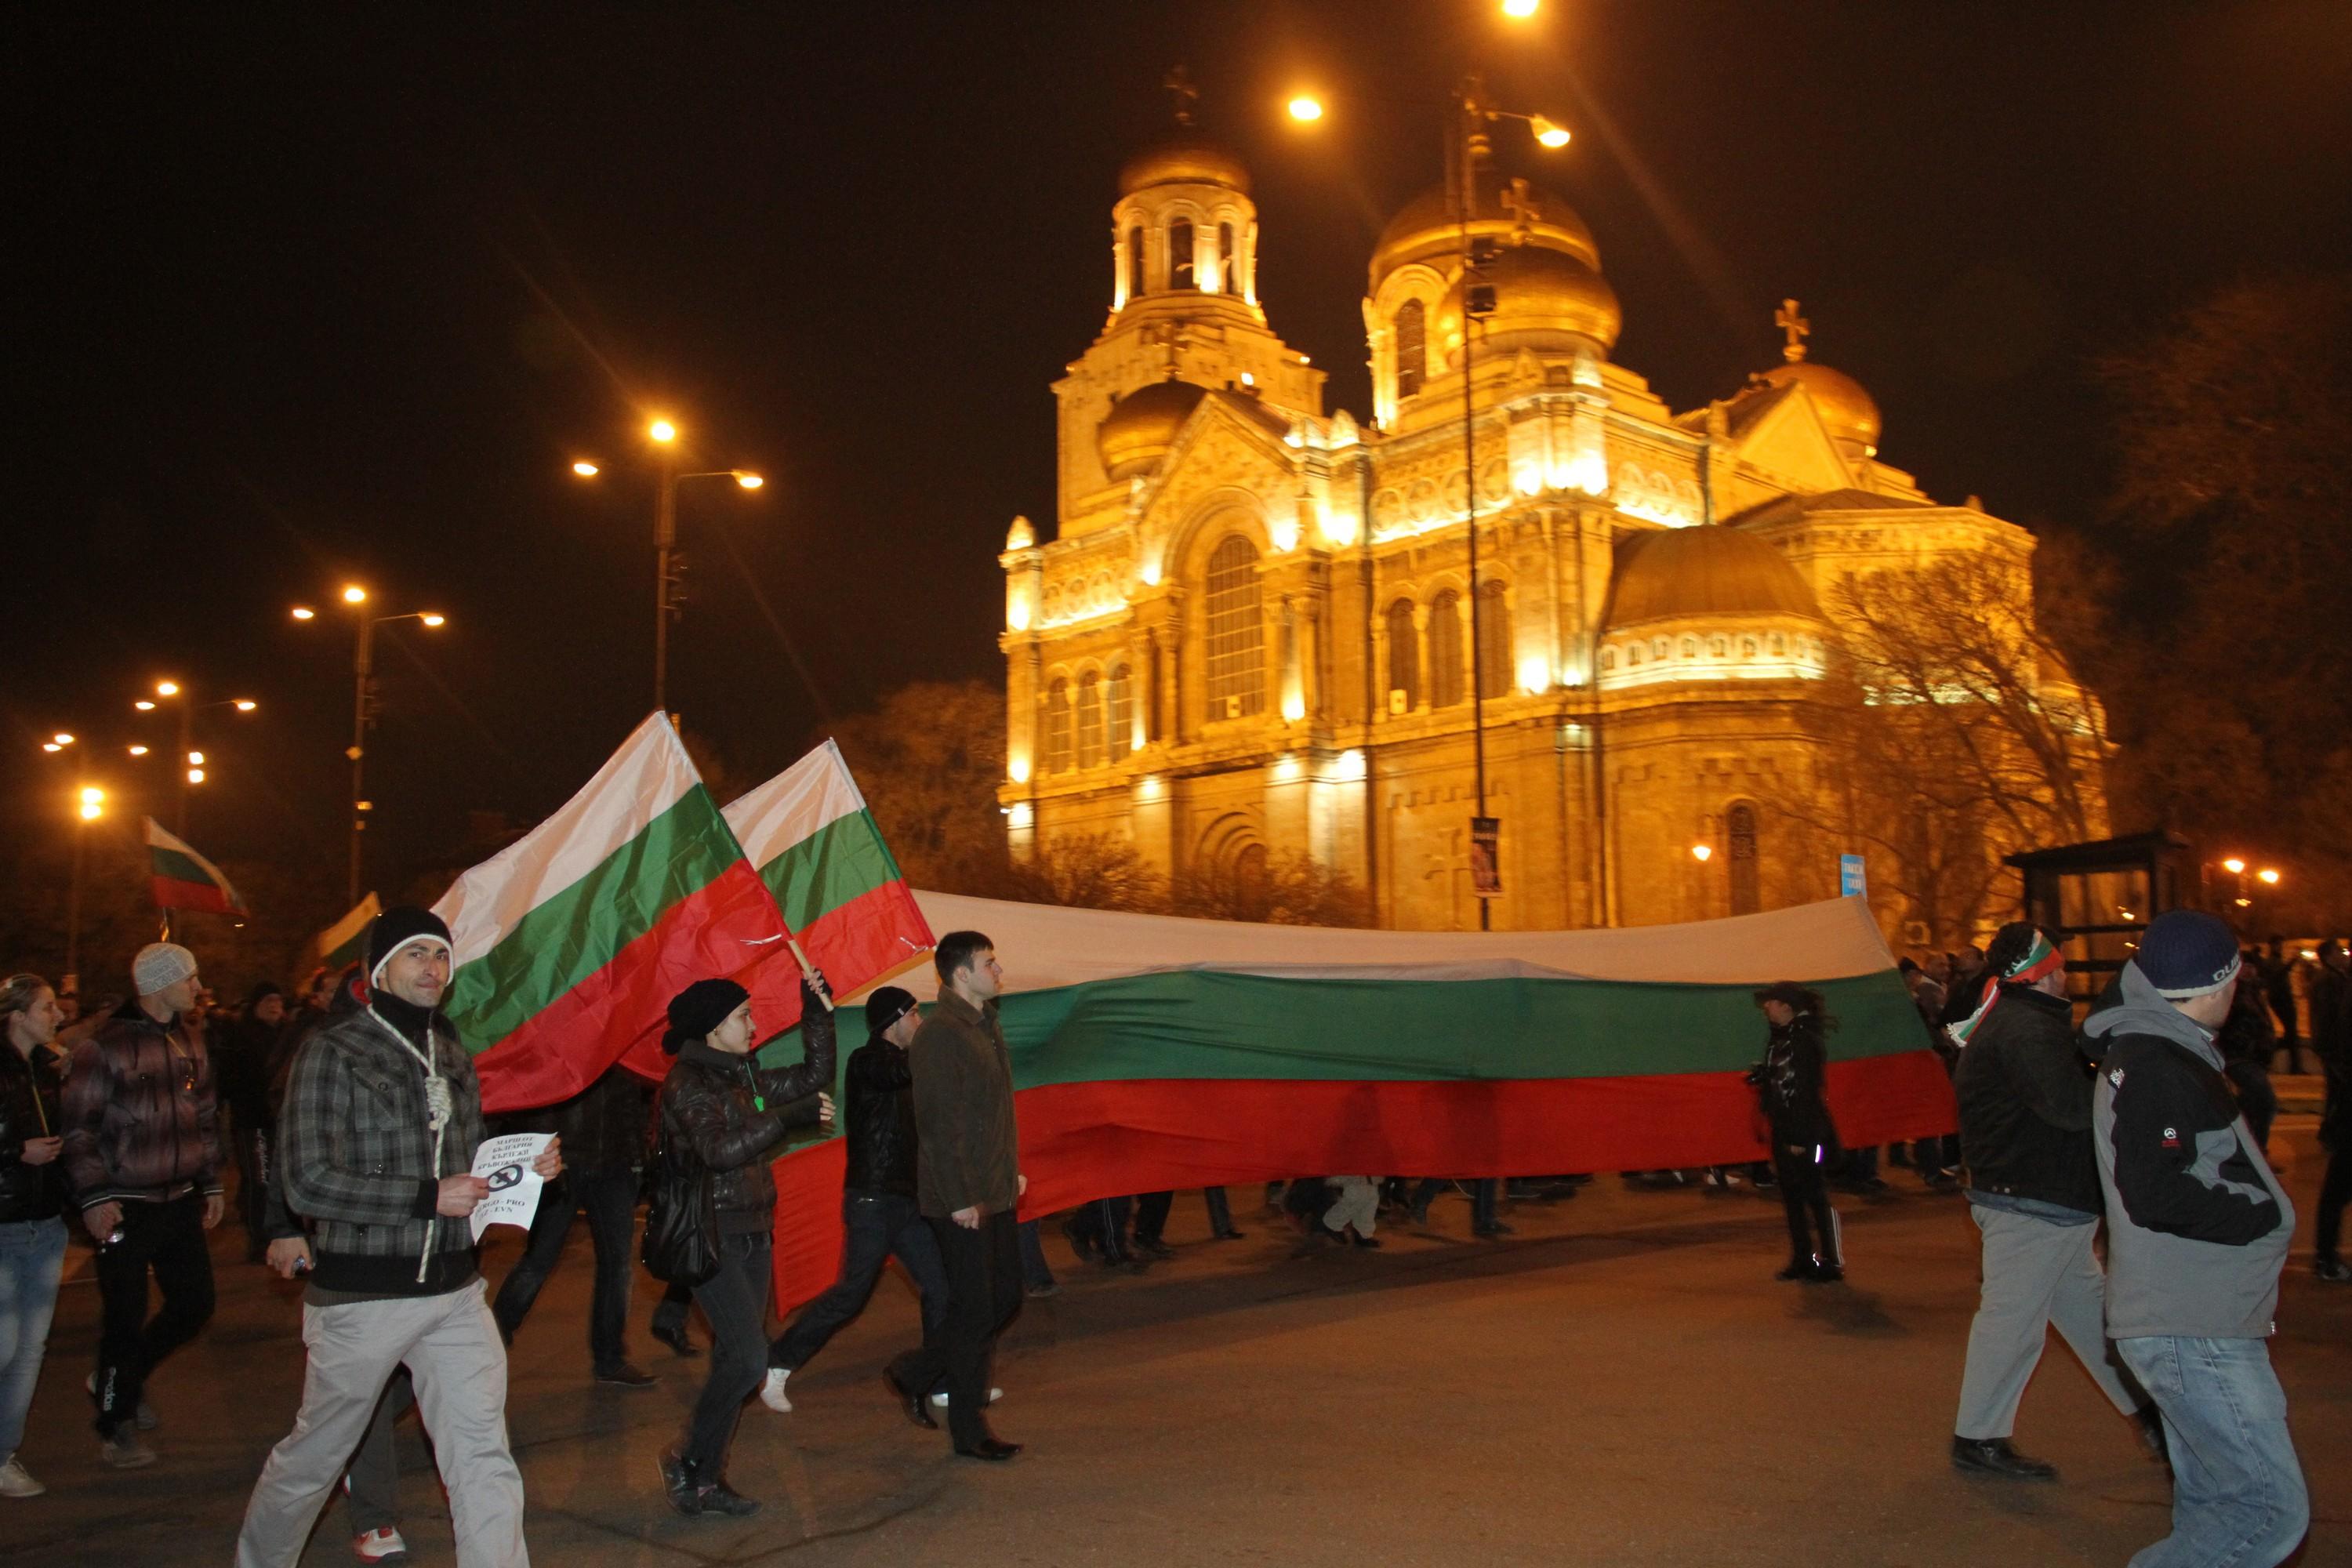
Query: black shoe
point(1154, 1246)
point(1420, 1213)
point(1229, 1236)
point(720, 1497)
point(1800, 1270)
point(1080, 1242)
point(2149, 1426)
point(989, 1448)
point(1371, 1241)
point(679, 1345)
point(1039, 1293)
point(622, 1374)
point(918, 1409)
point(1491, 1230)
point(678, 1482)
point(1825, 1274)
point(1994, 1456)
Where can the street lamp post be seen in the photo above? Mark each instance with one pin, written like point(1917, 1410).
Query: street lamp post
point(363, 677)
point(668, 561)
point(191, 760)
point(90, 806)
point(1467, 146)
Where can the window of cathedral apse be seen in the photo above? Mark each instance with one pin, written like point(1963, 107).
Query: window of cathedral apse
point(1739, 825)
point(1134, 262)
point(1119, 735)
point(1493, 642)
point(1404, 655)
point(1180, 254)
point(1226, 276)
point(1412, 347)
point(1446, 680)
point(1057, 727)
point(1090, 727)
point(1237, 632)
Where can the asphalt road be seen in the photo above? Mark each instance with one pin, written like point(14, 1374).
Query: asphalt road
point(1620, 1382)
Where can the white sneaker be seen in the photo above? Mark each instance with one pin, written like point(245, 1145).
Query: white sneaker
point(383, 1545)
point(941, 1398)
point(17, 1481)
point(772, 1392)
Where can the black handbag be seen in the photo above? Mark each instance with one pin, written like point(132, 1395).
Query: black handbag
point(681, 1245)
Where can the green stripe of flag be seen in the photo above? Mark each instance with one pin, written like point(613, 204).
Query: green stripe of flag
point(1199, 1024)
point(563, 941)
point(840, 861)
point(178, 867)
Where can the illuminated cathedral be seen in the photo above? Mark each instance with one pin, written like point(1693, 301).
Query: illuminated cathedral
point(1253, 627)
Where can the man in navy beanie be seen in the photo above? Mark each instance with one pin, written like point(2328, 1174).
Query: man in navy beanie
point(2197, 1229)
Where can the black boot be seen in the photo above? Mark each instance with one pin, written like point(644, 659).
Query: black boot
point(1994, 1456)
point(679, 1483)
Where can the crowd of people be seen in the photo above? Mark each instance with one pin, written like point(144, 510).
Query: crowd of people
point(354, 1115)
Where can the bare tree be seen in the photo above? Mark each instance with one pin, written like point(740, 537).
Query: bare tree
point(1093, 872)
point(929, 758)
point(1288, 888)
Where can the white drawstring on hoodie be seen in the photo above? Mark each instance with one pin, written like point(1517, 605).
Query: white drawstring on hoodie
point(439, 1107)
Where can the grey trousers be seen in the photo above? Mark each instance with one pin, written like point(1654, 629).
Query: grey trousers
point(2036, 1273)
point(452, 1350)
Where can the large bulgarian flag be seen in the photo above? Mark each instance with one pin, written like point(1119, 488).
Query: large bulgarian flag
point(342, 942)
point(1151, 1053)
point(820, 854)
point(571, 941)
point(183, 879)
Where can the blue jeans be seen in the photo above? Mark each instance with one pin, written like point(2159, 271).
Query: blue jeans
point(735, 1300)
point(32, 1260)
point(2238, 1495)
point(880, 1226)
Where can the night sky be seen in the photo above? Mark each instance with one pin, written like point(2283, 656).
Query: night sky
point(312, 296)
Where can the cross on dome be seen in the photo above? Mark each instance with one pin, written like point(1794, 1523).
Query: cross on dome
point(1178, 84)
point(1796, 326)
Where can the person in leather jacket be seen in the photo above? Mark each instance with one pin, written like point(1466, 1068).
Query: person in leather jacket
point(877, 1195)
point(729, 1115)
point(1788, 1083)
point(32, 1208)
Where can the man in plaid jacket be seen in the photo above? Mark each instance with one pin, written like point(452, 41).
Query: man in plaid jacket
point(376, 1141)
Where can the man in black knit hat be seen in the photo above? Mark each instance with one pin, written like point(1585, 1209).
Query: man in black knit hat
point(377, 1140)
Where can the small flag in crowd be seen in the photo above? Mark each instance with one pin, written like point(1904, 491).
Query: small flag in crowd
point(571, 941)
point(818, 850)
point(342, 943)
point(183, 879)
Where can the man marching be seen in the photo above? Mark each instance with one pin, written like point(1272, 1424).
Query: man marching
point(377, 1141)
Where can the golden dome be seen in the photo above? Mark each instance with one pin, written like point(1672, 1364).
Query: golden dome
point(1706, 571)
point(1539, 291)
point(1846, 407)
point(1426, 228)
point(1140, 428)
point(1183, 159)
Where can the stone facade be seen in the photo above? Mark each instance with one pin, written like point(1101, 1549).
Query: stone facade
point(1253, 628)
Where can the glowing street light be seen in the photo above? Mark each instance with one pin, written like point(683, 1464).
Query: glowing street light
point(355, 594)
point(1520, 10)
point(197, 758)
point(167, 689)
point(62, 738)
point(144, 706)
point(93, 803)
point(2267, 875)
point(1548, 132)
point(362, 673)
point(90, 805)
point(749, 481)
point(244, 704)
point(661, 430)
point(432, 618)
point(138, 751)
point(196, 776)
point(1702, 852)
point(1305, 107)
point(2235, 867)
point(585, 470)
point(304, 613)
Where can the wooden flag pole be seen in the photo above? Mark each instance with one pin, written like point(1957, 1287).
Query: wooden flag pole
point(824, 992)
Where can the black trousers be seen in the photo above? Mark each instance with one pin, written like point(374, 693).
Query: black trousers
point(735, 1300)
point(878, 1227)
point(608, 1195)
point(1805, 1196)
point(983, 1269)
point(1151, 1213)
point(253, 1157)
point(2334, 1192)
point(169, 1238)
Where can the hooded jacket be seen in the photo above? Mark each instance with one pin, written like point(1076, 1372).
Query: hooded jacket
point(2025, 1095)
point(2197, 1223)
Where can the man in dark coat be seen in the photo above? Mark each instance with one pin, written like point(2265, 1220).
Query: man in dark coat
point(2033, 1190)
point(1789, 1085)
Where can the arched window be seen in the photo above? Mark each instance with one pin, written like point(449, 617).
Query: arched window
point(1748, 648)
point(1412, 348)
point(1237, 630)
point(1779, 644)
point(1135, 261)
point(1090, 730)
point(1404, 657)
point(1690, 647)
point(1180, 254)
point(1632, 653)
point(1608, 659)
point(1739, 827)
point(1228, 264)
point(1119, 735)
point(1495, 641)
point(1057, 726)
point(1446, 686)
point(1717, 647)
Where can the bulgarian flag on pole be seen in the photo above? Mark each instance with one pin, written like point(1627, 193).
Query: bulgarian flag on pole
point(183, 879)
point(341, 943)
point(571, 941)
point(818, 850)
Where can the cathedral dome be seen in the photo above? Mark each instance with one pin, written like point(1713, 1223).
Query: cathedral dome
point(1143, 425)
point(1846, 407)
point(1706, 571)
point(1426, 228)
point(1185, 158)
point(1539, 292)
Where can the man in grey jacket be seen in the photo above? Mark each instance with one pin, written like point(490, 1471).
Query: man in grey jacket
point(2197, 1229)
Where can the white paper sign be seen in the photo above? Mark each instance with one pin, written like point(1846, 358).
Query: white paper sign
point(505, 1163)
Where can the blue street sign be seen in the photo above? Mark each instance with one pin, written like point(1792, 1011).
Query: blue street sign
point(1850, 881)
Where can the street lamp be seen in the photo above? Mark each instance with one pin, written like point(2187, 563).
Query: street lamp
point(90, 806)
point(1467, 147)
point(670, 561)
point(362, 676)
point(193, 759)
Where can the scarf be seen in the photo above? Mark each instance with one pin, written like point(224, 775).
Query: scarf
point(2040, 960)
